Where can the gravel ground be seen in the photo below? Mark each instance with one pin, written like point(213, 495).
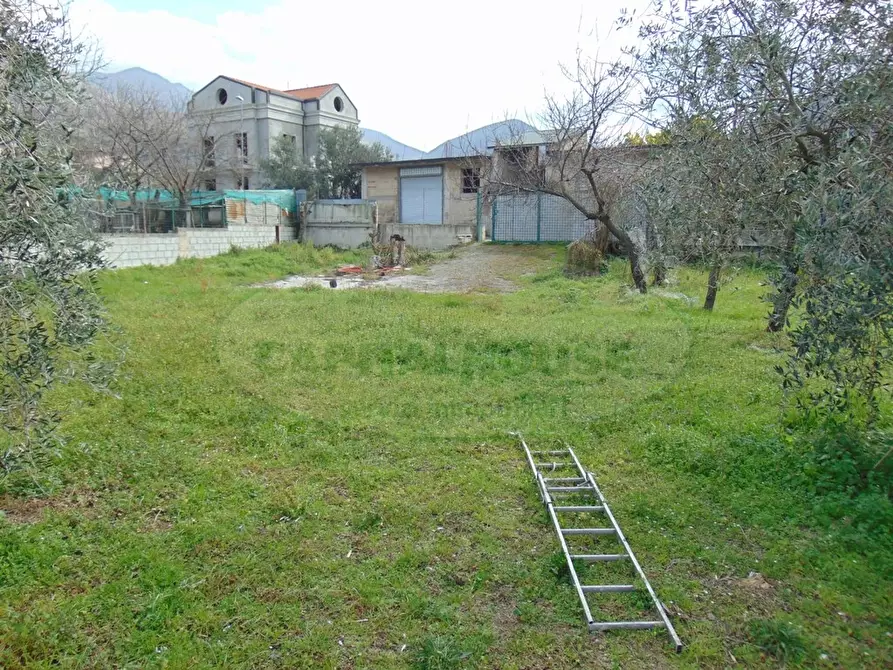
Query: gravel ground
point(485, 268)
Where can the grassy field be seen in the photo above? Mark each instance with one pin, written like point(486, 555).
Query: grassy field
point(315, 478)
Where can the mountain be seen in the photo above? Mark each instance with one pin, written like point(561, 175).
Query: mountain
point(473, 142)
point(401, 152)
point(137, 77)
point(479, 141)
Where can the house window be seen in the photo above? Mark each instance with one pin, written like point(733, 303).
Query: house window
point(519, 157)
point(222, 96)
point(209, 151)
point(471, 180)
point(292, 140)
point(242, 146)
point(242, 184)
point(211, 185)
point(339, 105)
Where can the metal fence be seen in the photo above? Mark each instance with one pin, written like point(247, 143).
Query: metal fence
point(536, 217)
point(152, 218)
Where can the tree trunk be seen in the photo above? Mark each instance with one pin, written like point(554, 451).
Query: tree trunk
point(632, 253)
point(653, 246)
point(712, 286)
point(635, 267)
point(781, 301)
point(787, 285)
point(601, 237)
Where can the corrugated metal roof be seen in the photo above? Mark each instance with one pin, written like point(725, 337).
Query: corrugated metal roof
point(528, 138)
point(421, 161)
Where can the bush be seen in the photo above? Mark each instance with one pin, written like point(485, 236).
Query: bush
point(584, 257)
point(845, 460)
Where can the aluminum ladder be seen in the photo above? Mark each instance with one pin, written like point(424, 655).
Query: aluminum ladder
point(582, 483)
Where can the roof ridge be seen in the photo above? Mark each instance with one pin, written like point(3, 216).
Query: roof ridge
point(301, 88)
point(286, 92)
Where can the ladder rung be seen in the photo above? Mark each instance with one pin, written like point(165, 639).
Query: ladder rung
point(555, 465)
point(608, 588)
point(576, 489)
point(566, 480)
point(595, 558)
point(579, 508)
point(562, 452)
point(588, 531)
point(611, 625)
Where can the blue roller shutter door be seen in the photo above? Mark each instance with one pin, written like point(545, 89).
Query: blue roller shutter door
point(421, 196)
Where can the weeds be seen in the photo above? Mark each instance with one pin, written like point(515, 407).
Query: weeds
point(441, 653)
point(326, 475)
point(778, 639)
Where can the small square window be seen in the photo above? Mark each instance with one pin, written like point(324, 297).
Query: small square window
point(471, 180)
point(211, 185)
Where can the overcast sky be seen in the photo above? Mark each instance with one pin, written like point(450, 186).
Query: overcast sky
point(418, 71)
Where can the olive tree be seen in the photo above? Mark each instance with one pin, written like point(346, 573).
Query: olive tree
point(780, 74)
point(50, 314)
point(702, 195)
point(806, 88)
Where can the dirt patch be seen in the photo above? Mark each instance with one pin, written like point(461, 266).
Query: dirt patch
point(755, 582)
point(31, 510)
point(474, 269)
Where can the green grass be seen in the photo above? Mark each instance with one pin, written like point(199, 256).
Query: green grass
point(324, 479)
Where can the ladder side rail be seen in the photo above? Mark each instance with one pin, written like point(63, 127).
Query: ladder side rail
point(566, 551)
point(527, 453)
point(576, 461)
point(632, 557)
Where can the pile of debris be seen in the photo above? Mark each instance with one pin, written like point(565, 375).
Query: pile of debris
point(388, 260)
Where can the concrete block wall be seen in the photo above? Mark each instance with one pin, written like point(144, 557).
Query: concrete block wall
point(124, 251)
point(288, 232)
point(428, 236)
point(332, 211)
point(338, 234)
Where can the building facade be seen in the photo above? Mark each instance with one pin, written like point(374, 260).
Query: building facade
point(240, 122)
point(436, 191)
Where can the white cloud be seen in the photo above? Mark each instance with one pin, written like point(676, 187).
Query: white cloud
point(419, 72)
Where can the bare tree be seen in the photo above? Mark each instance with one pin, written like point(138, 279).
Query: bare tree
point(116, 142)
point(136, 139)
point(183, 154)
point(583, 158)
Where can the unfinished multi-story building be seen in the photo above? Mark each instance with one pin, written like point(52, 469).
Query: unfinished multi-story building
point(240, 123)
